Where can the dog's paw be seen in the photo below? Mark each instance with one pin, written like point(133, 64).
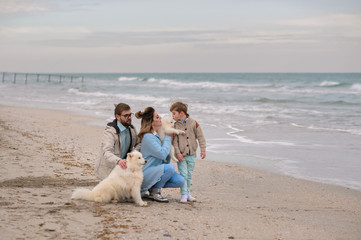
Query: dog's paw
point(143, 204)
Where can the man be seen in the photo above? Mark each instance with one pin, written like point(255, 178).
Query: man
point(119, 138)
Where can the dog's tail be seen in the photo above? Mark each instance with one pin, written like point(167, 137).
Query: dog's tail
point(82, 193)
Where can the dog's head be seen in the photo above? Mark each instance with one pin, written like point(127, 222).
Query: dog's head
point(135, 160)
point(167, 121)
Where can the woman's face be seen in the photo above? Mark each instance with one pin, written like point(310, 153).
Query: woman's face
point(157, 121)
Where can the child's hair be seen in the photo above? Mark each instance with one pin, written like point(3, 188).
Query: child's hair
point(179, 107)
point(146, 123)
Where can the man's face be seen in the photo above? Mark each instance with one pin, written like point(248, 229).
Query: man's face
point(125, 118)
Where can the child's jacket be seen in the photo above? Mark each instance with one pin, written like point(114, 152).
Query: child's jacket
point(186, 144)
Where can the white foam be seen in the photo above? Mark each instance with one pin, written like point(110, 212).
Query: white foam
point(356, 87)
point(95, 94)
point(329, 84)
point(179, 84)
point(244, 139)
point(145, 98)
point(128, 79)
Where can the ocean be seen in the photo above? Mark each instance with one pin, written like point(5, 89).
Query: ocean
point(305, 125)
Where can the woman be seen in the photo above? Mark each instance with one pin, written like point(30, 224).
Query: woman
point(157, 172)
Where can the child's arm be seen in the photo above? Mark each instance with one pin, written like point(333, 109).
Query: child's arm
point(176, 148)
point(201, 140)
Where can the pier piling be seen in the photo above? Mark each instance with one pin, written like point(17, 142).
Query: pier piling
point(28, 77)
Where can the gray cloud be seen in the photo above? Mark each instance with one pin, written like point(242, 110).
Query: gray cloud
point(206, 38)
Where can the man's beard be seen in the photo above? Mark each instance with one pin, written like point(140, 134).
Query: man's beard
point(126, 123)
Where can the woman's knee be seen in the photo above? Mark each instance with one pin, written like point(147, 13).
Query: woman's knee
point(169, 168)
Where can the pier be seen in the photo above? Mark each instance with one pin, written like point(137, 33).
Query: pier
point(38, 77)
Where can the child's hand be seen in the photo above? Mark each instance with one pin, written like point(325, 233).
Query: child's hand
point(180, 157)
point(203, 155)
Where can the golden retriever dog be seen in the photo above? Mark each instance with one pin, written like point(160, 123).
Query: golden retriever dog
point(168, 128)
point(121, 184)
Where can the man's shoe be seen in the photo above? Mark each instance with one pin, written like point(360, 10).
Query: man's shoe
point(156, 196)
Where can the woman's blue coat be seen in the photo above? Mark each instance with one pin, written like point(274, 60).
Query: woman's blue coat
point(155, 153)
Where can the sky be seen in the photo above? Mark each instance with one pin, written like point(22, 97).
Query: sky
point(114, 36)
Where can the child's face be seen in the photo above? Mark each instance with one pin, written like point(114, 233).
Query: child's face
point(175, 115)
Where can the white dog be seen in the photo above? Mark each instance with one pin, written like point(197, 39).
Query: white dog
point(120, 184)
point(168, 128)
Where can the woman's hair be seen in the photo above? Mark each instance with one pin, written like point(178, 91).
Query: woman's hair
point(146, 123)
point(179, 107)
point(120, 107)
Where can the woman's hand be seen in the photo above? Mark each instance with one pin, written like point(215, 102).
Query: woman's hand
point(203, 155)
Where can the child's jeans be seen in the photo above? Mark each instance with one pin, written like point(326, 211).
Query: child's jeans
point(185, 169)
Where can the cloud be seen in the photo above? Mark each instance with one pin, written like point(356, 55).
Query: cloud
point(78, 37)
point(18, 6)
point(133, 38)
point(42, 30)
point(326, 21)
point(34, 6)
point(312, 30)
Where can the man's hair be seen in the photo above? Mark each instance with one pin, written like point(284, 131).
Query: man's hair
point(179, 107)
point(120, 107)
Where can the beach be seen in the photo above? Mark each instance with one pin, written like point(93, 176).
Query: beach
point(46, 154)
point(301, 125)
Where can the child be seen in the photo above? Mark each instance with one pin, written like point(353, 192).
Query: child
point(185, 146)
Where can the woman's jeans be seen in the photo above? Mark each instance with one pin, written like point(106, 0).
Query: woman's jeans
point(170, 178)
point(186, 168)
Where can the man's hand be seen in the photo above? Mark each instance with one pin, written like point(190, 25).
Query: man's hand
point(203, 155)
point(123, 163)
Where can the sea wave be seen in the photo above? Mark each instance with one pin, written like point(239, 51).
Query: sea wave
point(132, 97)
point(94, 94)
point(268, 100)
point(235, 133)
point(189, 84)
point(330, 84)
point(122, 79)
point(328, 129)
point(356, 87)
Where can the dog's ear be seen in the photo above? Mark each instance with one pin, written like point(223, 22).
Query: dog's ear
point(130, 155)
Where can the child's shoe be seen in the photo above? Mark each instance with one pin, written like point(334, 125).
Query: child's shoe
point(190, 198)
point(184, 198)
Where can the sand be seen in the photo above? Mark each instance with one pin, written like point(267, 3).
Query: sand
point(46, 154)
